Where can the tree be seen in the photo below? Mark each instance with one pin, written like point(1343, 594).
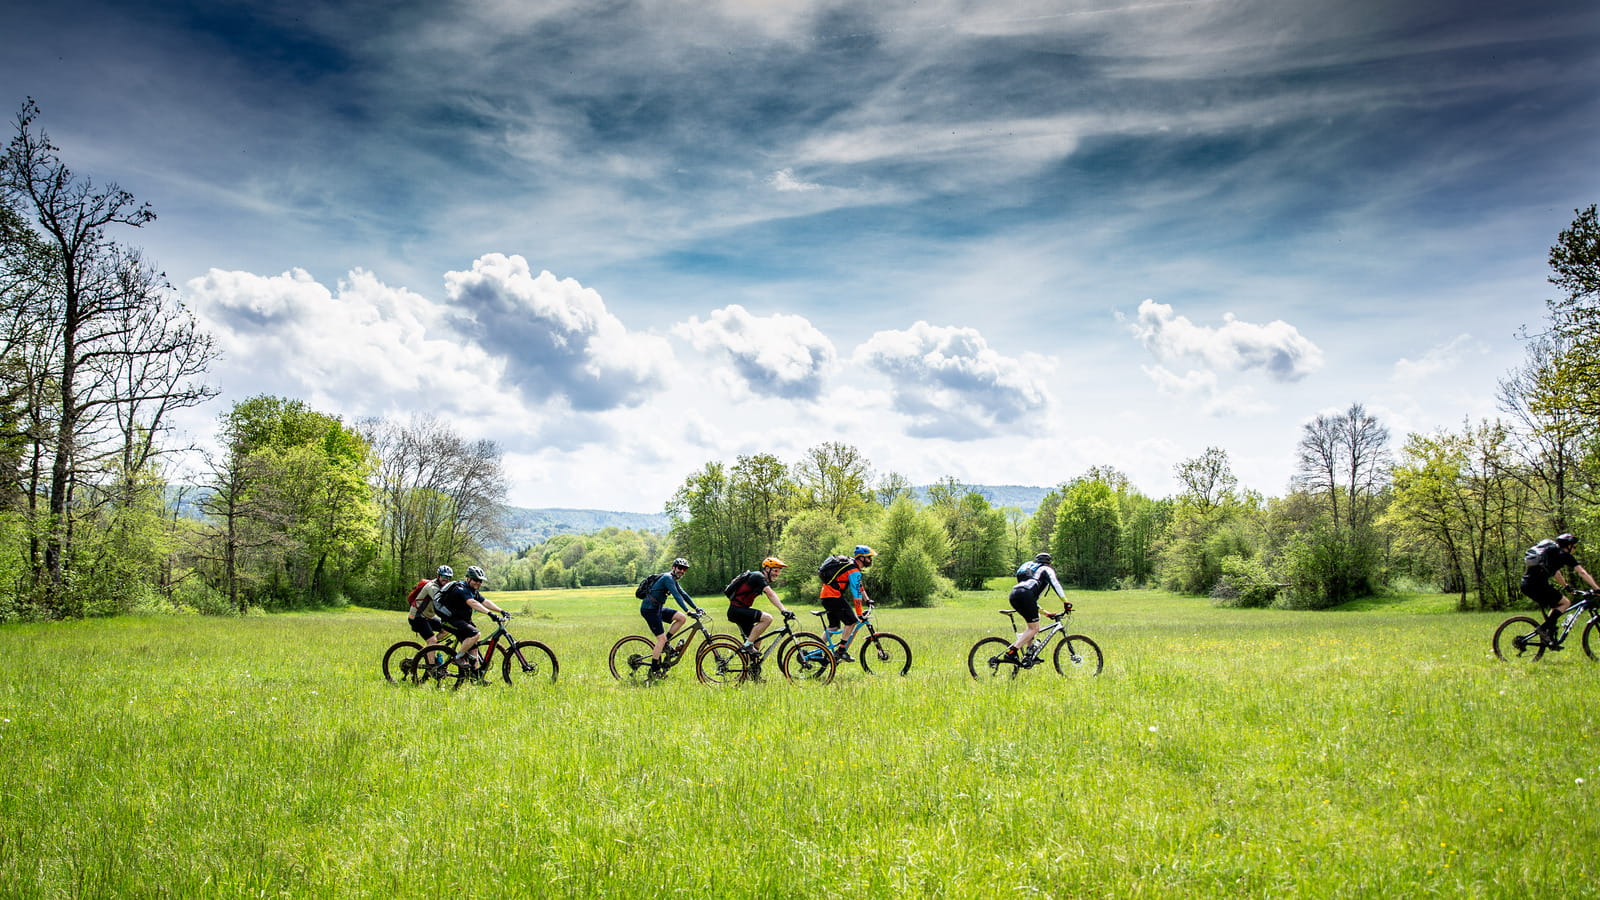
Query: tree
point(1575, 315)
point(835, 478)
point(913, 547)
point(110, 353)
point(1088, 532)
point(1343, 466)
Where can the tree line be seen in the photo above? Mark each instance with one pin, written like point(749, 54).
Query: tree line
point(299, 508)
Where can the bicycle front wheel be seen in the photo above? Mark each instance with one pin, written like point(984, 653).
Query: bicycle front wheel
point(1591, 639)
point(885, 654)
point(398, 662)
point(987, 660)
point(1516, 642)
point(721, 662)
point(630, 659)
point(806, 661)
point(529, 662)
point(1076, 655)
point(437, 666)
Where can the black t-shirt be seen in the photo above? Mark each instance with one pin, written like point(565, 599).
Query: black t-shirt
point(452, 601)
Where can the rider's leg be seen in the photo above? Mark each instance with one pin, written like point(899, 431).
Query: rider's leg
point(652, 617)
point(759, 627)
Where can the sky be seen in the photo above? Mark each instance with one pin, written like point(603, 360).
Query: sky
point(1001, 242)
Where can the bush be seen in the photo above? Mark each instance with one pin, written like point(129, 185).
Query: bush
point(1244, 583)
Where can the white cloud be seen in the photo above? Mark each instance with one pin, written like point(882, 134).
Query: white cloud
point(776, 356)
point(1438, 360)
point(951, 383)
point(784, 180)
point(1277, 348)
point(555, 336)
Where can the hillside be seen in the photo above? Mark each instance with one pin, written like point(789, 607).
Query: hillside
point(526, 527)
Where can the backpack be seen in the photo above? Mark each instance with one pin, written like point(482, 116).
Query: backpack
point(645, 585)
point(1027, 570)
point(1541, 556)
point(831, 567)
point(411, 598)
point(738, 590)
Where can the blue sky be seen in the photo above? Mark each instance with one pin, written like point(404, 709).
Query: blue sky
point(999, 241)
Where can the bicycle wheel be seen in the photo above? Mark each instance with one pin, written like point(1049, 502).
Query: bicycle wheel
point(806, 662)
point(529, 662)
point(720, 662)
point(885, 654)
point(1077, 655)
point(630, 659)
point(399, 661)
point(1509, 640)
point(986, 660)
point(437, 666)
point(1591, 639)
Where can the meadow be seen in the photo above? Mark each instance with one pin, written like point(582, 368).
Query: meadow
point(1373, 752)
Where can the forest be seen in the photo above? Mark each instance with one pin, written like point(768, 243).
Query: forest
point(299, 508)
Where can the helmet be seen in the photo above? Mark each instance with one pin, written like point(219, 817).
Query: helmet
point(446, 572)
point(1042, 558)
point(680, 563)
point(1566, 540)
point(474, 573)
point(864, 550)
point(772, 562)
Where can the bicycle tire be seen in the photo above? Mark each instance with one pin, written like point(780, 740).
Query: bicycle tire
point(1506, 636)
point(630, 659)
point(721, 662)
point(398, 669)
point(1591, 639)
point(807, 661)
point(885, 653)
point(529, 662)
point(982, 660)
point(1078, 656)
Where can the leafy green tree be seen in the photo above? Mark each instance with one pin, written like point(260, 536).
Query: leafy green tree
point(1088, 534)
point(913, 547)
point(835, 478)
point(808, 539)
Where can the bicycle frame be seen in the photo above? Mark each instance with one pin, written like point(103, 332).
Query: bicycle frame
point(1042, 639)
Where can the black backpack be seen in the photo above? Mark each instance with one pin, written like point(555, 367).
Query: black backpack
point(734, 588)
point(645, 585)
point(831, 567)
point(1542, 556)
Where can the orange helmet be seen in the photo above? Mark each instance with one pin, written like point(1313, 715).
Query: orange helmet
point(772, 562)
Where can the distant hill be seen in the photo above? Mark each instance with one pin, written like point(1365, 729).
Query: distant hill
point(526, 527)
point(1025, 497)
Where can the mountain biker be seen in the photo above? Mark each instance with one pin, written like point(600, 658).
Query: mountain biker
point(1033, 577)
point(422, 617)
point(1544, 566)
point(654, 608)
point(842, 591)
point(742, 593)
point(455, 604)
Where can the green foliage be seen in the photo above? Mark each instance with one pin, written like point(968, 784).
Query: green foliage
point(808, 539)
point(1088, 536)
point(1244, 582)
point(912, 546)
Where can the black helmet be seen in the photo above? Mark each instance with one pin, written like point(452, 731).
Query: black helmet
point(1566, 540)
point(1042, 558)
point(474, 573)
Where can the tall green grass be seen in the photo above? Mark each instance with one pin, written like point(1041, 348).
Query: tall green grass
point(1252, 753)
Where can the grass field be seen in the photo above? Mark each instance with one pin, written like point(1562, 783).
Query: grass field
point(1374, 753)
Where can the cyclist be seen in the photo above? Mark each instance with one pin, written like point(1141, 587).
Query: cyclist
point(842, 590)
point(742, 593)
point(455, 604)
point(654, 608)
point(1033, 577)
point(1545, 561)
point(422, 617)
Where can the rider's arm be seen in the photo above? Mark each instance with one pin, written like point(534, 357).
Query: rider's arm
point(858, 591)
point(1584, 574)
point(1055, 583)
point(678, 594)
point(772, 595)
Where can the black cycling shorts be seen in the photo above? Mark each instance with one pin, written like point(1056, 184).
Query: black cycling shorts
point(1023, 601)
point(745, 617)
point(657, 617)
point(1541, 592)
point(461, 628)
point(425, 626)
point(841, 612)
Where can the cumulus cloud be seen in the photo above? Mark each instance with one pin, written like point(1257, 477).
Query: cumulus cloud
point(362, 347)
point(1277, 348)
point(1437, 360)
point(555, 335)
point(951, 382)
point(777, 356)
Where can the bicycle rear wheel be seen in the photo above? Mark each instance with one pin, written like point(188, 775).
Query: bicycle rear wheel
point(987, 660)
point(1512, 641)
point(437, 666)
point(885, 654)
point(721, 662)
point(630, 659)
point(1077, 655)
point(806, 661)
point(529, 662)
point(399, 662)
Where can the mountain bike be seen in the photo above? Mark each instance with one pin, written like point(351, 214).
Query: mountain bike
point(399, 661)
point(880, 652)
point(801, 657)
point(1075, 654)
point(526, 662)
point(1522, 639)
point(630, 656)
